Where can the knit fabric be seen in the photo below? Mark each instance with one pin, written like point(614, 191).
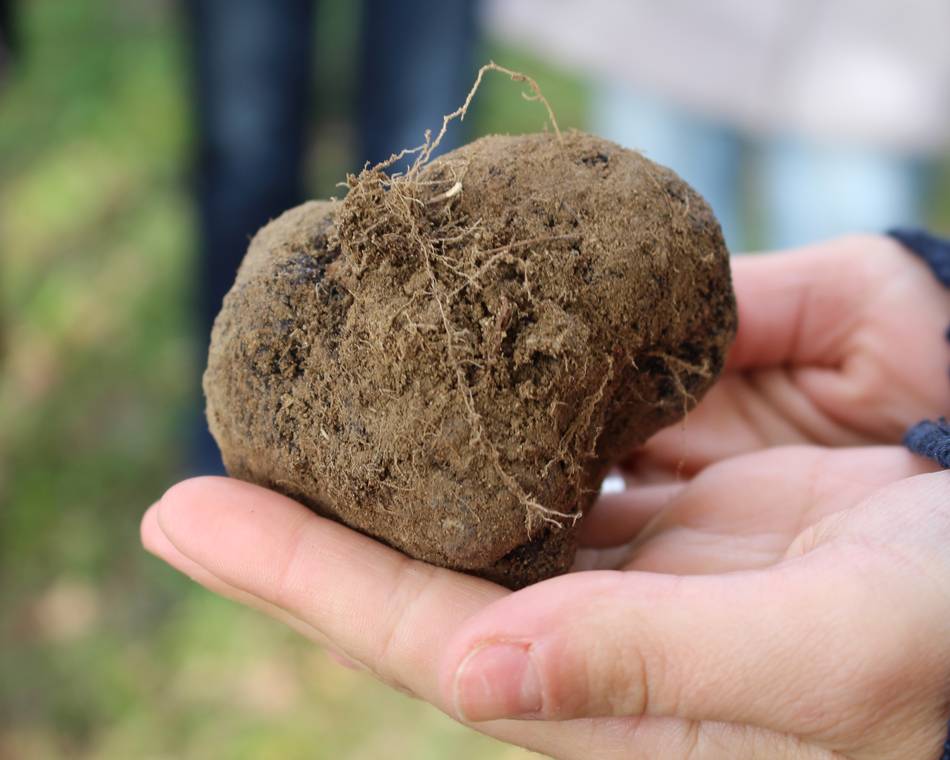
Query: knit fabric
point(935, 251)
point(929, 439)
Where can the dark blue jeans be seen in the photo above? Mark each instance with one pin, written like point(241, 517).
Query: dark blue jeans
point(7, 34)
point(252, 62)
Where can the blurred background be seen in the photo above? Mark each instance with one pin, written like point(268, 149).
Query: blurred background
point(142, 141)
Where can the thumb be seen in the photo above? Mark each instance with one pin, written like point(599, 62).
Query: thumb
point(747, 647)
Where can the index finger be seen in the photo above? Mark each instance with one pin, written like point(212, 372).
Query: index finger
point(391, 613)
point(383, 608)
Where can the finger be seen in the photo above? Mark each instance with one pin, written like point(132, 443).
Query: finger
point(616, 518)
point(606, 739)
point(374, 603)
point(744, 513)
point(156, 542)
point(743, 412)
point(741, 648)
point(807, 361)
point(925, 536)
point(738, 514)
point(393, 614)
point(362, 593)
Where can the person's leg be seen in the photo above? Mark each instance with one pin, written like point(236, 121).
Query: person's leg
point(252, 62)
point(705, 154)
point(417, 66)
point(813, 191)
point(7, 35)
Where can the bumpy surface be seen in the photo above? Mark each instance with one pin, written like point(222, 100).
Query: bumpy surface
point(451, 362)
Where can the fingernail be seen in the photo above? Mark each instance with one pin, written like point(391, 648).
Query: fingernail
point(497, 681)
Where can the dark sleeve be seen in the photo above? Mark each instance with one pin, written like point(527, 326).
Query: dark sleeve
point(932, 249)
point(929, 438)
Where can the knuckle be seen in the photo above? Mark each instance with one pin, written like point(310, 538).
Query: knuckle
point(587, 675)
point(629, 689)
point(622, 676)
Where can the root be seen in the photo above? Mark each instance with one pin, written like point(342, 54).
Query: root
point(582, 422)
point(413, 217)
point(591, 404)
point(672, 364)
point(533, 509)
point(426, 150)
point(503, 254)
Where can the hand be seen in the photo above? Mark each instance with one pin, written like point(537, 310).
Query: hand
point(792, 603)
point(839, 344)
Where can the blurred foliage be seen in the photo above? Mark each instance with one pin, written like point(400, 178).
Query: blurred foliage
point(105, 652)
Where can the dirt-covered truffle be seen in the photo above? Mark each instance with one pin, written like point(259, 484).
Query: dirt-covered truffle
point(450, 361)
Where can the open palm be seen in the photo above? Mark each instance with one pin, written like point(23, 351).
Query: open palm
point(756, 617)
point(742, 514)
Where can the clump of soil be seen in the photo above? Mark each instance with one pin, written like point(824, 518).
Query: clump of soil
point(451, 360)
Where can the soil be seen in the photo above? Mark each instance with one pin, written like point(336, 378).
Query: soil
point(450, 361)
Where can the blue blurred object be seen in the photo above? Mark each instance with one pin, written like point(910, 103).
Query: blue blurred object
point(807, 189)
point(418, 63)
point(814, 190)
point(253, 61)
point(705, 154)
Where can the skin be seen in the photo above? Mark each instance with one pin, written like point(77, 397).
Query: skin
point(791, 602)
point(839, 344)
